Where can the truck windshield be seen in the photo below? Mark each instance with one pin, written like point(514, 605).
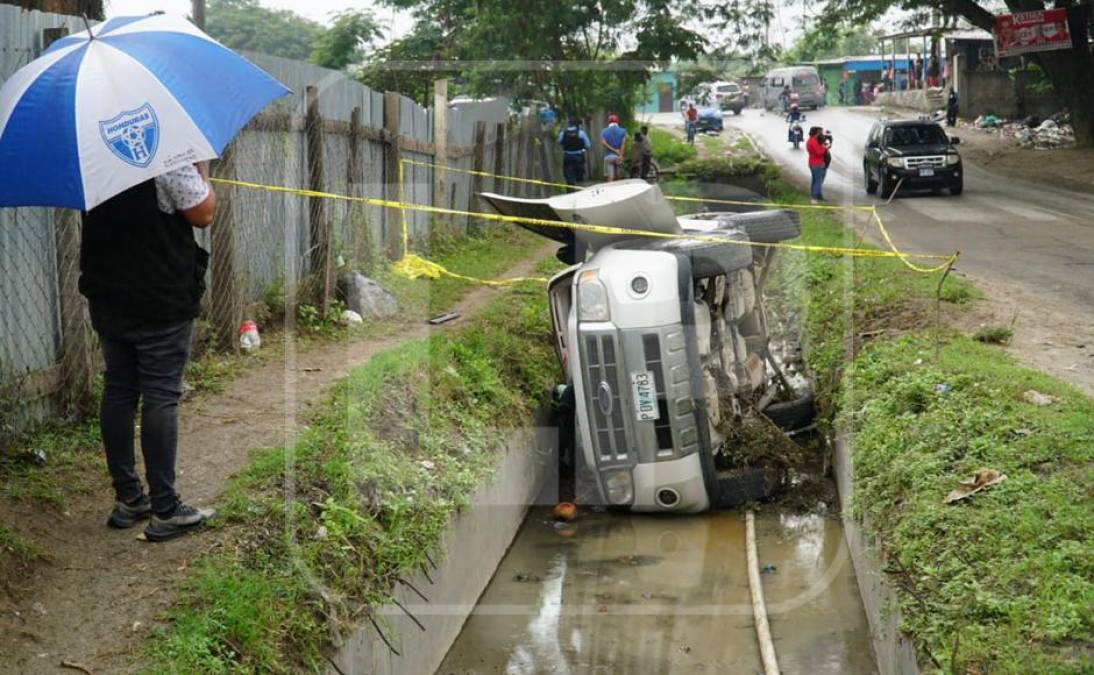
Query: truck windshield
point(927, 134)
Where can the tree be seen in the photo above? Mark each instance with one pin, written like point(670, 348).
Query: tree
point(343, 43)
point(1071, 71)
point(525, 49)
point(92, 8)
point(410, 64)
point(822, 42)
point(245, 24)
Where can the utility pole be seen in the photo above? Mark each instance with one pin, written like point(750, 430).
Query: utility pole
point(197, 13)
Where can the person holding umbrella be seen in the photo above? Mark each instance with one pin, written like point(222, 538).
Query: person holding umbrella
point(114, 122)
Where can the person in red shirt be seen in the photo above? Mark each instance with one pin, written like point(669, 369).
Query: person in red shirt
point(816, 149)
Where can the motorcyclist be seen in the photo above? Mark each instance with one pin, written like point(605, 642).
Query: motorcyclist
point(793, 117)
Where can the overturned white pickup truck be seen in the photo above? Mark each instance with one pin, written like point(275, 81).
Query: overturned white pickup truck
point(664, 341)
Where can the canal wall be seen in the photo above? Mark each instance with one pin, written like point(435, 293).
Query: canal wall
point(895, 652)
point(476, 540)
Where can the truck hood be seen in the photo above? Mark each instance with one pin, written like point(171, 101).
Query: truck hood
point(631, 205)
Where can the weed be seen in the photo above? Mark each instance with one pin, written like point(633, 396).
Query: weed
point(994, 335)
point(14, 545)
point(668, 150)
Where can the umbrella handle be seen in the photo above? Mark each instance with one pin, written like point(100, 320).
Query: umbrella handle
point(88, 24)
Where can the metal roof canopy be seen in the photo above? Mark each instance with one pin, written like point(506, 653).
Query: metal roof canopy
point(944, 33)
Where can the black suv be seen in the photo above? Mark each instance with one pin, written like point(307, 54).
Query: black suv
point(917, 154)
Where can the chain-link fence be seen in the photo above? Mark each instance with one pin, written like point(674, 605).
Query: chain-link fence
point(331, 135)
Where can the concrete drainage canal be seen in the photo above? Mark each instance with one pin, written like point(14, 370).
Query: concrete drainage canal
point(521, 589)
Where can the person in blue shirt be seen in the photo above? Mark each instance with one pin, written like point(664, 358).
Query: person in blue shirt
point(575, 143)
point(614, 141)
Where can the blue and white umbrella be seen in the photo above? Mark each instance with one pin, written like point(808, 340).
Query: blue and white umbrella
point(108, 108)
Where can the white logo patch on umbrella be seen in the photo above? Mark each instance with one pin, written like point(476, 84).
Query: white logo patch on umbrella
point(133, 135)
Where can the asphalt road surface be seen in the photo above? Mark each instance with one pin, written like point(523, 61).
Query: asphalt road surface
point(1011, 231)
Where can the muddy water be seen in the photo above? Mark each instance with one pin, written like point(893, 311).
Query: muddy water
point(619, 593)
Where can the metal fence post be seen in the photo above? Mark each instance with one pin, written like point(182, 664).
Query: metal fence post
point(77, 360)
point(319, 229)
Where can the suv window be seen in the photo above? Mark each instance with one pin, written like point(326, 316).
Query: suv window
point(806, 81)
point(926, 134)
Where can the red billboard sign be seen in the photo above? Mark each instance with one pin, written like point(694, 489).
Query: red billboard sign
point(1026, 32)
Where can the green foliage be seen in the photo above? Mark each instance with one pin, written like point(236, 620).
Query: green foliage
point(18, 547)
point(398, 448)
point(406, 65)
point(668, 150)
point(344, 42)
point(312, 320)
point(1003, 581)
point(824, 41)
point(507, 33)
point(726, 167)
point(246, 24)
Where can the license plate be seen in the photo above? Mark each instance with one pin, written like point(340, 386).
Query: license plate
point(645, 396)
point(926, 172)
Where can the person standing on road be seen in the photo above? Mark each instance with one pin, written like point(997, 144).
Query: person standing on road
point(143, 274)
point(614, 141)
point(575, 144)
point(952, 105)
point(815, 148)
point(691, 120)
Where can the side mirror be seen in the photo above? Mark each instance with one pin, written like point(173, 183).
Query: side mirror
point(954, 140)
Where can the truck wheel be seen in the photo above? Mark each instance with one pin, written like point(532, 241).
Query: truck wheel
point(765, 227)
point(708, 258)
point(871, 185)
point(792, 415)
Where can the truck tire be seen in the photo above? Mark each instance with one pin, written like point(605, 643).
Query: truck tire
point(765, 227)
point(792, 415)
point(708, 258)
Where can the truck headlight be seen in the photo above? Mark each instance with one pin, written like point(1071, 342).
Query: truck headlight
point(895, 162)
point(953, 159)
point(592, 298)
point(620, 487)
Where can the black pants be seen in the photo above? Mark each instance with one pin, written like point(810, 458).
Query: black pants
point(573, 168)
point(144, 363)
point(951, 116)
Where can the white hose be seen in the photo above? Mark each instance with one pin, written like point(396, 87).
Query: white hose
point(759, 609)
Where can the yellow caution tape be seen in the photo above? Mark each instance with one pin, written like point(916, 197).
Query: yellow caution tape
point(416, 267)
point(586, 227)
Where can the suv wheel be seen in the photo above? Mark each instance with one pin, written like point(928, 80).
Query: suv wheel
point(885, 184)
point(871, 185)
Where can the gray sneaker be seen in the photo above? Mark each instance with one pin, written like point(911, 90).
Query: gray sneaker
point(183, 519)
point(125, 515)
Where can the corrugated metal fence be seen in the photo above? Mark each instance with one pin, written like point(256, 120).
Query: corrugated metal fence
point(350, 144)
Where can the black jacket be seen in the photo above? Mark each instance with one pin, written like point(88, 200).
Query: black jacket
point(137, 261)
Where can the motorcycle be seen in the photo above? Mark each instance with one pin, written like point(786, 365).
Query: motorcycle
point(795, 134)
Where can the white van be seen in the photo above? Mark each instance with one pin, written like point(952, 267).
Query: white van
point(802, 80)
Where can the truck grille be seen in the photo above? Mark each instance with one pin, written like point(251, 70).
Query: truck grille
point(651, 345)
point(931, 162)
point(604, 397)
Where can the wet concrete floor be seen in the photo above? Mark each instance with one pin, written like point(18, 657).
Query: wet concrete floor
point(621, 593)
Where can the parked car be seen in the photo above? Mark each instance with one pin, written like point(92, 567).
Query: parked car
point(916, 154)
point(710, 120)
point(730, 96)
point(802, 80)
point(664, 343)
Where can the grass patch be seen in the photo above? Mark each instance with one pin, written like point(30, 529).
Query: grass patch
point(668, 150)
point(1003, 582)
point(994, 335)
point(399, 447)
point(725, 168)
point(51, 461)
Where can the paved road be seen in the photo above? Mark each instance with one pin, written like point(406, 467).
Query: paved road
point(1007, 230)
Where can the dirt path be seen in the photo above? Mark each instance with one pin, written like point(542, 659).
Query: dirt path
point(102, 591)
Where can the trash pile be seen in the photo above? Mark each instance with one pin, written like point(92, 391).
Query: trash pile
point(1031, 132)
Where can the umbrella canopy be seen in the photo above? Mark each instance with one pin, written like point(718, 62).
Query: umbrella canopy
point(108, 108)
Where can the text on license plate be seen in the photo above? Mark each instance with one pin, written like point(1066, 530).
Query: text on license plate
point(926, 172)
point(645, 396)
